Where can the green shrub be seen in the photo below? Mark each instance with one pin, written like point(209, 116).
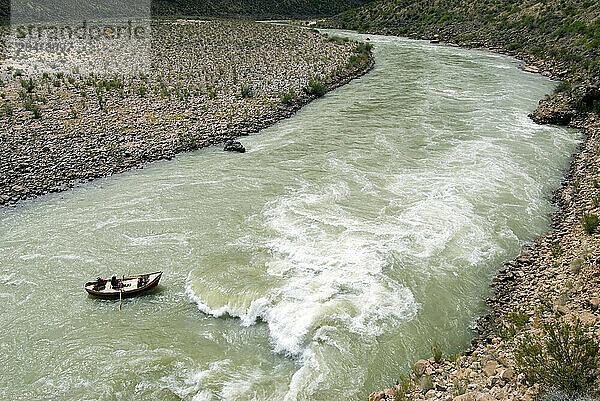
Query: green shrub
point(141, 91)
point(404, 386)
point(564, 358)
point(288, 97)
point(556, 250)
point(460, 386)
point(514, 46)
point(316, 88)
point(362, 48)
point(7, 110)
point(564, 86)
point(32, 107)
point(247, 91)
point(28, 84)
point(425, 383)
point(436, 350)
point(518, 318)
point(337, 39)
point(101, 101)
point(590, 223)
point(576, 265)
point(581, 106)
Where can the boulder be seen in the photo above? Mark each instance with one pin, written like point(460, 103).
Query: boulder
point(490, 368)
point(234, 146)
point(380, 396)
point(420, 366)
point(507, 374)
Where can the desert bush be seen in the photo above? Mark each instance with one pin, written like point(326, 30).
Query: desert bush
point(425, 383)
point(33, 108)
point(288, 97)
point(362, 48)
point(436, 350)
point(28, 84)
point(557, 250)
point(246, 91)
point(576, 265)
point(404, 386)
point(141, 91)
point(101, 100)
point(7, 110)
point(514, 46)
point(564, 86)
point(564, 358)
point(518, 318)
point(315, 87)
point(590, 223)
point(562, 396)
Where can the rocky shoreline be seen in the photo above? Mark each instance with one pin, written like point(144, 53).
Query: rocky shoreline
point(557, 275)
point(88, 127)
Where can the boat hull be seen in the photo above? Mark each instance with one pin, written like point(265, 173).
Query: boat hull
point(126, 291)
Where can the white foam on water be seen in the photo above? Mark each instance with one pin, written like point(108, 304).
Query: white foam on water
point(332, 267)
point(248, 316)
point(222, 380)
point(342, 244)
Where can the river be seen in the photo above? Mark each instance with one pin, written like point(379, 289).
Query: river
point(319, 265)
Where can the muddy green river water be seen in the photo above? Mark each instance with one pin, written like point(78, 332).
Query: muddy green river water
point(319, 265)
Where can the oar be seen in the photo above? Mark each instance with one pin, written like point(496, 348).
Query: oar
point(121, 292)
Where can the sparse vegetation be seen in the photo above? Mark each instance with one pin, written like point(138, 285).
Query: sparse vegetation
point(28, 84)
point(247, 91)
point(436, 350)
point(576, 265)
point(589, 223)
point(6, 110)
point(315, 88)
point(518, 318)
point(569, 35)
point(563, 358)
point(201, 87)
point(288, 97)
point(258, 8)
point(556, 250)
point(29, 105)
point(141, 91)
point(403, 388)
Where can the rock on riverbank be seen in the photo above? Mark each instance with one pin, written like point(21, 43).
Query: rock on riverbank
point(207, 82)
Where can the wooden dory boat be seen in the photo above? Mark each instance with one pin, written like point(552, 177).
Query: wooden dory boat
point(123, 286)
